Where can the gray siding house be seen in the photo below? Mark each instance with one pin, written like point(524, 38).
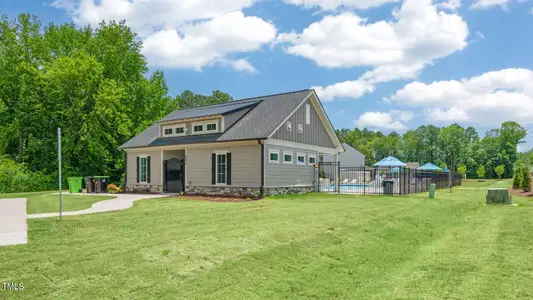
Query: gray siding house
point(349, 158)
point(258, 146)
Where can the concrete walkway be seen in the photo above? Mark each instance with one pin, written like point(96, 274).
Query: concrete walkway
point(121, 202)
point(13, 227)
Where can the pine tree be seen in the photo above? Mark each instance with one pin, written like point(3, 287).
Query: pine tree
point(517, 179)
point(526, 180)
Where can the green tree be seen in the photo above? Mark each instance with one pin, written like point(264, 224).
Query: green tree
point(517, 179)
point(500, 169)
point(481, 171)
point(525, 184)
point(461, 169)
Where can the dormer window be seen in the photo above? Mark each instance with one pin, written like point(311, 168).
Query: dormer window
point(211, 127)
point(167, 131)
point(180, 130)
point(289, 126)
point(198, 128)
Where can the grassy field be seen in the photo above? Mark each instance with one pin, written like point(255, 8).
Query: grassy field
point(297, 247)
point(44, 202)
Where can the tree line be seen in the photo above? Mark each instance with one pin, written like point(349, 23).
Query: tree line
point(94, 83)
point(460, 149)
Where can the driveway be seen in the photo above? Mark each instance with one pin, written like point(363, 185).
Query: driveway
point(121, 202)
point(13, 227)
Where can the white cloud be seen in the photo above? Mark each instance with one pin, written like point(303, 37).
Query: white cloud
point(335, 4)
point(484, 4)
point(451, 5)
point(490, 98)
point(347, 89)
point(184, 33)
point(419, 34)
point(384, 120)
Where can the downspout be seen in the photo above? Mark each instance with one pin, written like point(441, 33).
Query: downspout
point(262, 188)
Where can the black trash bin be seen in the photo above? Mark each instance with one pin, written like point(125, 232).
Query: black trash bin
point(388, 187)
point(90, 184)
point(101, 183)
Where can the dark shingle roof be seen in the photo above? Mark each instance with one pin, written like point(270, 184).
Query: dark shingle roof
point(218, 109)
point(259, 122)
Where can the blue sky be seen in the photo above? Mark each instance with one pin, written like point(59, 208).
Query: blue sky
point(383, 64)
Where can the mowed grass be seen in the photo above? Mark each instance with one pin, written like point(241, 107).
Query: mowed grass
point(298, 247)
point(44, 202)
point(474, 183)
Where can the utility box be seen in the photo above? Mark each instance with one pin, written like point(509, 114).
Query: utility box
point(499, 196)
point(432, 188)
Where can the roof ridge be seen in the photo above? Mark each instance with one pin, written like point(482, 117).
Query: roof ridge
point(272, 95)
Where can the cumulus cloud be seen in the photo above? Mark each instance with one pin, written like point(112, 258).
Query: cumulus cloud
point(335, 4)
point(489, 98)
point(419, 33)
point(393, 119)
point(183, 34)
point(484, 4)
point(348, 89)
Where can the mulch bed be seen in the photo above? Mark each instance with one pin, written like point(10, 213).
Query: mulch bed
point(217, 198)
point(520, 193)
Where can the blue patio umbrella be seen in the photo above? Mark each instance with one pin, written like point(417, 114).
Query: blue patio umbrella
point(430, 167)
point(446, 169)
point(389, 162)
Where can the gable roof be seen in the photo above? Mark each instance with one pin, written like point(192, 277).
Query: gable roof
point(266, 113)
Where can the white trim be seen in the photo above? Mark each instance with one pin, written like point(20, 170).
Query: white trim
point(297, 161)
point(274, 142)
point(273, 161)
point(290, 115)
point(308, 157)
point(308, 114)
point(192, 146)
point(174, 130)
point(221, 151)
point(140, 158)
point(162, 168)
point(186, 172)
point(327, 124)
point(223, 124)
point(211, 123)
point(184, 130)
point(292, 157)
point(198, 124)
point(217, 153)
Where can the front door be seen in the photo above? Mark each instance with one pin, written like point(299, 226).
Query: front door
point(174, 170)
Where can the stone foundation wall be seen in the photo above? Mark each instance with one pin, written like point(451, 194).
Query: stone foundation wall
point(247, 192)
point(143, 188)
point(288, 190)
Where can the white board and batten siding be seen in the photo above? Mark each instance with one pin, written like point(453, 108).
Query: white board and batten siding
point(245, 165)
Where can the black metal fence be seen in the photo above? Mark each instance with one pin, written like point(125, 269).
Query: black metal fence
point(334, 178)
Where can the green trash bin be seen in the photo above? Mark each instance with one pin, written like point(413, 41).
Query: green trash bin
point(74, 184)
point(432, 188)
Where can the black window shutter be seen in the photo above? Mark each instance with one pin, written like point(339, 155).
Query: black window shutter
point(138, 169)
point(213, 168)
point(148, 169)
point(228, 168)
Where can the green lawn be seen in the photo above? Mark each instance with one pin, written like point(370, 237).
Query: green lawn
point(470, 183)
point(305, 247)
point(44, 202)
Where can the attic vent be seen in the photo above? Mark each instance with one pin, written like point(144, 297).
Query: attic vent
point(289, 126)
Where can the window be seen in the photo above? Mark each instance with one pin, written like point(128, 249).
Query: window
point(300, 128)
point(180, 130)
point(211, 127)
point(167, 131)
point(198, 128)
point(222, 168)
point(143, 168)
point(308, 114)
point(287, 157)
point(300, 159)
point(311, 159)
point(273, 156)
point(289, 126)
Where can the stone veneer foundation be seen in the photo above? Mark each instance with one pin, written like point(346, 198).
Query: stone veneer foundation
point(246, 192)
point(144, 188)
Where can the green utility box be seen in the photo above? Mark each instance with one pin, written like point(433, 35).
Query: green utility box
point(432, 188)
point(74, 184)
point(388, 187)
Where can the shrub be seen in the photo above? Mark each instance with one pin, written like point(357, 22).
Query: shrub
point(499, 170)
point(113, 189)
point(517, 179)
point(525, 184)
point(462, 169)
point(481, 171)
point(14, 177)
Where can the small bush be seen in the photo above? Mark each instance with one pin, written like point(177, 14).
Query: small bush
point(14, 177)
point(481, 171)
point(517, 179)
point(526, 180)
point(113, 189)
